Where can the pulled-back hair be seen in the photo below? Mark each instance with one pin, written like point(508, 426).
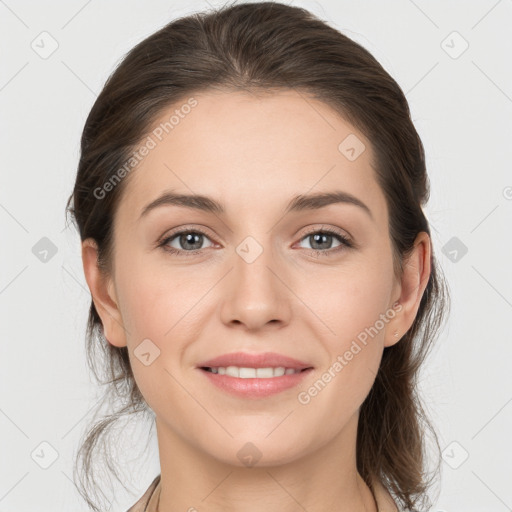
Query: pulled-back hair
point(263, 47)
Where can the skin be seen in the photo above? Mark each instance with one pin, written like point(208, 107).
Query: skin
point(253, 154)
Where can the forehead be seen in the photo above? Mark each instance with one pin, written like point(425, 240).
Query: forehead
point(243, 149)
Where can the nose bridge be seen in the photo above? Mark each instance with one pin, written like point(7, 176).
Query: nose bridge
point(256, 294)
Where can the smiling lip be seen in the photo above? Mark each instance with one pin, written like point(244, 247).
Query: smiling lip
point(255, 387)
point(247, 360)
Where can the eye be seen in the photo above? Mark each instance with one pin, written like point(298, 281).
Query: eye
point(189, 242)
point(321, 241)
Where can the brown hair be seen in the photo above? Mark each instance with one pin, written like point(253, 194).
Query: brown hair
point(260, 47)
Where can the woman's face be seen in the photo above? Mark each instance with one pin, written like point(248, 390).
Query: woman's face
point(267, 275)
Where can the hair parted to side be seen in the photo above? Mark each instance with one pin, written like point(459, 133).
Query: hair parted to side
point(262, 47)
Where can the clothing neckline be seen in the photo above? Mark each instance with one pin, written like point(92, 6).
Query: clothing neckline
point(150, 500)
point(154, 499)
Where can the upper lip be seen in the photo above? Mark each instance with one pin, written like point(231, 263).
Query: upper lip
point(247, 360)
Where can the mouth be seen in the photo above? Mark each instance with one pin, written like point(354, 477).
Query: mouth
point(254, 376)
point(253, 373)
point(245, 363)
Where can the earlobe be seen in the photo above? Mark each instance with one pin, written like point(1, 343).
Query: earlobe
point(415, 276)
point(103, 295)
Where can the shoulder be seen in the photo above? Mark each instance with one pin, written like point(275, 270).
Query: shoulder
point(143, 503)
point(384, 499)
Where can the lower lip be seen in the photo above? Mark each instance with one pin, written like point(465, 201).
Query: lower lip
point(255, 388)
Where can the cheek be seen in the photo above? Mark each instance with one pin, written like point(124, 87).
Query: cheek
point(355, 308)
point(354, 353)
point(353, 300)
point(161, 311)
point(154, 311)
point(156, 301)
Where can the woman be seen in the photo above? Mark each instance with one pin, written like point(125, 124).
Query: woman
point(249, 199)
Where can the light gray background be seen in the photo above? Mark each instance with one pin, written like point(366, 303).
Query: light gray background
point(461, 104)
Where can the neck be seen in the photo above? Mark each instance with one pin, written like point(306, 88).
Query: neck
point(324, 478)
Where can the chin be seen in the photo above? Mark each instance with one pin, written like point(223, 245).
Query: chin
point(257, 450)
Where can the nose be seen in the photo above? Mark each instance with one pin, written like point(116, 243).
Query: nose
point(257, 294)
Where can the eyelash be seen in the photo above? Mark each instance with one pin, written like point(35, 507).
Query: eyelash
point(345, 242)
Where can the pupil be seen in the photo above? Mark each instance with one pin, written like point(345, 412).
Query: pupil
point(189, 238)
point(318, 237)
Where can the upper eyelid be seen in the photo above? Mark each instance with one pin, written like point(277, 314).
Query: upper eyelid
point(181, 231)
point(330, 230)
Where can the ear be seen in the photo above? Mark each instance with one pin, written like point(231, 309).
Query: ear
point(103, 295)
point(415, 276)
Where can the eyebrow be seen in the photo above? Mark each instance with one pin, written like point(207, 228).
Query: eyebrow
point(298, 203)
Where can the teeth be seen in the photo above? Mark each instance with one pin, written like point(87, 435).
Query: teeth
point(252, 373)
